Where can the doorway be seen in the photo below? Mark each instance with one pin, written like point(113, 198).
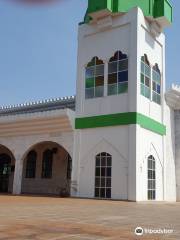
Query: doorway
point(5, 172)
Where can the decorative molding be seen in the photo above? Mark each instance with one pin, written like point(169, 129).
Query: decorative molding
point(39, 106)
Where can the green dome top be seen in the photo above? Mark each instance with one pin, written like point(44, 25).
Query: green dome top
point(157, 9)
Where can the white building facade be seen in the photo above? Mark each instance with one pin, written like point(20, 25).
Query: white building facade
point(119, 138)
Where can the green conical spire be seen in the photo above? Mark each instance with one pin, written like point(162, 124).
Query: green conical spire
point(161, 10)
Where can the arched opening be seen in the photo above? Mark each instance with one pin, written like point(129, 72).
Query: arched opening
point(151, 178)
point(7, 167)
point(47, 170)
point(103, 174)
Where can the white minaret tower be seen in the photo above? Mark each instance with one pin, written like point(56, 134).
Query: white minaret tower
point(119, 149)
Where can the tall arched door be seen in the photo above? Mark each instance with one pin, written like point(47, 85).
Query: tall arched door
point(103, 172)
point(5, 171)
point(151, 178)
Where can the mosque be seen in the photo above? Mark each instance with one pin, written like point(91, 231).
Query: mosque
point(119, 137)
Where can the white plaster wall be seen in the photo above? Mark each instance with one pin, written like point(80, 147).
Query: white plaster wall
point(130, 34)
point(177, 146)
point(113, 140)
point(94, 41)
point(154, 48)
point(149, 144)
point(170, 168)
point(103, 43)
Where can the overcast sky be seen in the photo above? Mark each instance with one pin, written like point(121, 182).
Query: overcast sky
point(38, 49)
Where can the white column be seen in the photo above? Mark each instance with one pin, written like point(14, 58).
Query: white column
point(75, 183)
point(132, 173)
point(106, 77)
point(18, 175)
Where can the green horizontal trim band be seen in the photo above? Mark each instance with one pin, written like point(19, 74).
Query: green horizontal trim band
point(121, 119)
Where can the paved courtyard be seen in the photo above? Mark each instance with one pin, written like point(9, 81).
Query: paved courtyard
point(45, 218)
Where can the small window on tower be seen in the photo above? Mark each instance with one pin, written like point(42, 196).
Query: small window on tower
point(94, 79)
point(118, 74)
point(145, 77)
point(156, 79)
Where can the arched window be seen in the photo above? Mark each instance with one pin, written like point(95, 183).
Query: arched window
point(103, 175)
point(47, 164)
point(145, 77)
point(118, 74)
point(94, 79)
point(31, 164)
point(156, 80)
point(151, 178)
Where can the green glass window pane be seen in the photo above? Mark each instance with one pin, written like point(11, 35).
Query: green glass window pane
point(159, 79)
point(156, 77)
point(99, 91)
point(112, 78)
point(90, 72)
point(123, 65)
point(154, 86)
point(142, 89)
point(112, 89)
point(99, 81)
point(142, 78)
point(147, 81)
point(99, 70)
point(89, 93)
point(112, 67)
point(147, 92)
point(89, 82)
point(143, 59)
point(154, 97)
point(142, 67)
point(122, 87)
point(147, 71)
